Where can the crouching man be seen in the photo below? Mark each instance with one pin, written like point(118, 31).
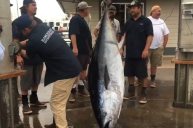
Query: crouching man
point(62, 67)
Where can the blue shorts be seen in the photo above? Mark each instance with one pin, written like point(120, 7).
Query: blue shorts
point(136, 68)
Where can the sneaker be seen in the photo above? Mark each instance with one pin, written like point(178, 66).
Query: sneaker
point(27, 110)
point(35, 102)
point(153, 85)
point(143, 100)
point(72, 98)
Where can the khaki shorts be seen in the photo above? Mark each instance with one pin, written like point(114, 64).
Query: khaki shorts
point(32, 77)
point(155, 56)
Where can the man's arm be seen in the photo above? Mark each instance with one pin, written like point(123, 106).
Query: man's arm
point(149, 33)
point(18, 57)
point(74, 44)
point(96, 30)
point(121, 44)
point(118, 31)
point(145, 53)
point(74, 30)
point(166, 35)
point(166, 38)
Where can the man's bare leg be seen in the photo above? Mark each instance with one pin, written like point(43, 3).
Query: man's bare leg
point(153, 76)
point(143, 99)
point(26, 109)
point(131, 89)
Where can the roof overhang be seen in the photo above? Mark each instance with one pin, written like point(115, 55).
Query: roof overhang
point(68, 6)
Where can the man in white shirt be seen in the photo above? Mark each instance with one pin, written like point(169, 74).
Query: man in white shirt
point(2, 49)
point(115, 23)
point(160, 40)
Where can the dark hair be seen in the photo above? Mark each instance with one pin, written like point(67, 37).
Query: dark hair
point(23, 10)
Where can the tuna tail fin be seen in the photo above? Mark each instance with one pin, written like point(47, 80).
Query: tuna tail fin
point(105, 4)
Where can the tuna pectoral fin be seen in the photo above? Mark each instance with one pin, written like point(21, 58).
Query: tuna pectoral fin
point(107, 78)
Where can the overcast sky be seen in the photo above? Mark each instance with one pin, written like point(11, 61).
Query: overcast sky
point(47, 9)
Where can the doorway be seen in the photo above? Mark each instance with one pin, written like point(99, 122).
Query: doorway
point(122, 12)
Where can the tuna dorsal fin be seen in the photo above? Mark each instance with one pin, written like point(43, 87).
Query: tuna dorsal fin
point(107, 78)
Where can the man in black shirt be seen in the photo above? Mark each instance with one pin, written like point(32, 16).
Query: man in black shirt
point(62, 67)
point(138, 35)
point(81, 39)
point(33, 67)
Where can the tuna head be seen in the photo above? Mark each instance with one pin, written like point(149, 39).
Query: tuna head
point(110, 108)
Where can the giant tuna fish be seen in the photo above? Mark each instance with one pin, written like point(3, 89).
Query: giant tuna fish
point(106, 77)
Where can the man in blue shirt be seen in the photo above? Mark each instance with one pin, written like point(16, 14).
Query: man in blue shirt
point(62, 67)
point(138, 33)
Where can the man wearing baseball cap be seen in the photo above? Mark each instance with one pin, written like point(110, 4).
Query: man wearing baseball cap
point(62, 67)
point(114, 22)
point(33, 66)
point(80, 35)
point(138, 33)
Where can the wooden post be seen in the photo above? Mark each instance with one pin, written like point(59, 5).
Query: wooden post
point(183, 85)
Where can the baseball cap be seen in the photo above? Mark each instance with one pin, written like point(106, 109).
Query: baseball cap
point(26, 2)
point(135, 3)
point(23, 22)
point(83, 5)
point(112, 8)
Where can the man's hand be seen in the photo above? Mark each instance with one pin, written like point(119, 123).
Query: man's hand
point(75, 51)
point(24, 43)
point(19, 60)
point(164, 45)
point(121, 51)
point(145, 54)
point(23, 53)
